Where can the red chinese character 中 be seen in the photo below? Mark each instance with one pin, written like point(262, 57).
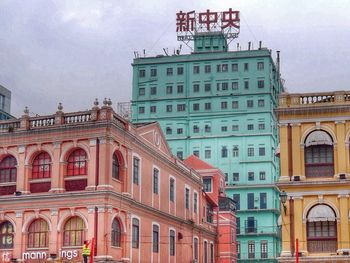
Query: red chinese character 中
point(230, 18)
point(208, 18)
point(185, 21)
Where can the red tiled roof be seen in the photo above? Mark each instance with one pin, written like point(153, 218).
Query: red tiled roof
point(197, 164)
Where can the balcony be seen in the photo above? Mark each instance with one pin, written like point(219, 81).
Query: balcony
point(251, 226)
point(226, 204)
point(322, 246)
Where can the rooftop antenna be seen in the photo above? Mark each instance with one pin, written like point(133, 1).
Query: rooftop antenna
point(166, 51)
point(278, 61)
point(178, 51)
point(260, 44)
point(136, 54)
point(144, 53)
point(237, 46)
point(249, 45)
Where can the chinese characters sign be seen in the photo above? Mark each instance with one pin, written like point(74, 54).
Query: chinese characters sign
point(190, 23)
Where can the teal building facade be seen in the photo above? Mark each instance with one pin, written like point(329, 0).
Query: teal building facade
point(5, 103)
point(219, 105)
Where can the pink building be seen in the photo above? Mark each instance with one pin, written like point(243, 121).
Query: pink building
point(70, 177)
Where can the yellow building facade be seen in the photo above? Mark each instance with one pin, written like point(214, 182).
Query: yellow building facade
point(315, 176)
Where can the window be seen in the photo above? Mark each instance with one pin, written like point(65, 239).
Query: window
point(238, 249)
point(196, 153)
point(237, 199)
point(207, 106)
point(261, 151)
point(261, 126)
point(136, 170)
point(115, 167)
point(261, 84)
point(234, 67)
point(196, 69)
point(172, 190)
point(168, 131)
point(238, 222)
point(195, 248)
point(116, 233)
point(218, 68)
point(263, 248)
point(207, 154)
point(41, 166)
point(261, 103)
point(250, 151)
point(224, 128)
point(224, 86)
point(195, 202)
point(180, 71)
point(207, 68)
point(77, 164)
point(196, 106)
point(169, 108)
point(153, 72)
point(6, 235)
point(235, 127)
point(169, 71)
point(207, 184)
point(263, 201)
point(181, 107)
point(142, 91)
point(2, 102)
point(211, 253)
point(209, 213)
point(224, 151)
point(73, 234)
point(224, 67)
point(155, 181)
point(250, 103)
point(153, 90)
point(224, 105)
point(195, 87)
point(251, 249)
point(153, 109)
point(262, 176)
point(246, 84)
point(180, 155)
point(246, 66)
point(195, 129)
point(260, 66)
point(187, 198)
point(207, 87)
point(250, 127)
point(142, 73)
point(180, 89)
point(8, 170)
point(235, 151)
point(205, 252)
point(135, 233)
point(141, 110)
point(250, 200)
point(235, 85)
point(250, 176)
point(226, 177)
point(155, 239)
point(172, 242)
point(169, 89)
point(235, 176)
point(234, 104)
point(38, 234)
point(207, 128)
point(180, 130)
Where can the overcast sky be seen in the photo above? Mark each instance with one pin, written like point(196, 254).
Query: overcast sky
point(73, 51)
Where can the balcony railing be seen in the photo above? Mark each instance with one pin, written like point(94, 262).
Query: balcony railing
point(226, 204)
point(322, 246)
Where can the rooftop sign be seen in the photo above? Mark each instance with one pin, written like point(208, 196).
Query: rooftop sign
point(190, 23)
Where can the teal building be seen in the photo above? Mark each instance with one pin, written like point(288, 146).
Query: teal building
point(219, 105)
point(5, 103)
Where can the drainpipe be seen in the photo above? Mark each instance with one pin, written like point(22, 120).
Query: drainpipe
point(97, 174)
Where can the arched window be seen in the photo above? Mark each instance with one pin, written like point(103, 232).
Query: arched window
point(38, 234)
point(8, 170)
point(115, 167)
point(319, 155)
point(77, 163)
point(74, 232)
point(321, 230)
point(42, 166)
point(6, 235)
point(116, 233)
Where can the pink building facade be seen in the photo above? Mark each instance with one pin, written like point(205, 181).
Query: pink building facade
point(70, 177)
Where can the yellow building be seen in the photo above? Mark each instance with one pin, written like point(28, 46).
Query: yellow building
point(315, 175)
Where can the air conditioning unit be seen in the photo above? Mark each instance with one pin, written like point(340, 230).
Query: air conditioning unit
point(296, 178)
point(342, 176)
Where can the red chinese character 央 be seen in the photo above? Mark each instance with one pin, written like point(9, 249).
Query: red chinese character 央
point(230, 18)
point(208, 18)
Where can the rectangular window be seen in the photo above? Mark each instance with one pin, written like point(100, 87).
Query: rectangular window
point(235, 177)
point(251, 225)
point(207, 184)
point(172, 242)
point(207, 154)
point(180, 89)
point(169, 108)
point(142, 91)
point(141, 110)
point(196, 69)
point(246, 84)
point(238, 222)
point(207, 106)
point(262, 176)
point(153, 90)
point(180, 130)
point(142, 73)
point(195, 248)
point(135, 233)
point(263, 201)
point(261, 126)
point(196, 153)
point(155, 181)
point(155, 239)
point(209, 213)
point(235, 151)
point(235, 127)
point(153, 72)
point(207, 68)
point(187, 198)
point(196, 106)
point(207, 87)
point(181, 107)
point(263, 244)
point(250, 200)
point(251, 249)
point(180, 71)
point(169, 89)
point(261, 84)
point(250, 127)
point(211, 253)
point(180, 155)
point(224, 105)
point(169, 71)
point(237, 199)
point(195, 87)
point(250, 103)
point(195, 129)
point(235, 85)
point(224, 67)
point(224, 86)
point(195, 202)
point(172, 190)
point(261, 103)
point(250, 176)
point(207, 128)
point(226, 177)
point(136, 170)
point(168, 131)
point(224, 128)
point(260, 66)
point(250, 151)
point(238, 249)
point(218, 68)
point(234, 67)
point(261, 151)
point(153, 109)
point(224, 152)
point(246, 66)
point(235, 104)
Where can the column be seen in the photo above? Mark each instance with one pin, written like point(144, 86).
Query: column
point(22, 171)
point(298, 161)
point(103, 234)
point(284, 152)
point(53, 244)
point(91, 183)
point(298, 222)
point(339, 159)
point(91, 223)
point(56, 185)
point(105, 164)
point(286, 230)
point(19, 237)
point(343, 238)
